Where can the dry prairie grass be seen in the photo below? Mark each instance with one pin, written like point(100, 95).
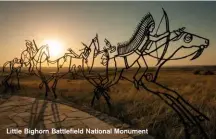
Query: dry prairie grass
point(140, 108)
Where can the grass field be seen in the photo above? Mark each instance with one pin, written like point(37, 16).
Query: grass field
point(140, 108)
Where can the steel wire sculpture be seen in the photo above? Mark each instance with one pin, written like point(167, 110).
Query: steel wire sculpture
point(14, 68)
point(93, 77)
point(139, 46)
point(42, 56)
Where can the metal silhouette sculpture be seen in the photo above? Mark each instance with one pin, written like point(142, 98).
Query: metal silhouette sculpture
point(96, 79)
point(139, 46)
point(37, 57)
point(14, 68)
point(16, 65)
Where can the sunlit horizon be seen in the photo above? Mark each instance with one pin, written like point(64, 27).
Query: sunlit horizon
point(66, 24)
point(56, 47)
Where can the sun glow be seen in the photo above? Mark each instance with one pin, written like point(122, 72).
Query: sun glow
point(55, 48)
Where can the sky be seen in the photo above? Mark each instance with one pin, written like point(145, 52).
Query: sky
point(74, 22)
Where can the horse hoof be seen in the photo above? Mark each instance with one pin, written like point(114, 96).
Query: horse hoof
point(136, 85)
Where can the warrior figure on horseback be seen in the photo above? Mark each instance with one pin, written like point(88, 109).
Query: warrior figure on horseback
point(141, 40)
point(135, 51)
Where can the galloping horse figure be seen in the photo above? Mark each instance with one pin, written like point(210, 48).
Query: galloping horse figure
point(96, 79)
point(15, 66)
point(138, 48)
point(58, 73)
point(41, 56)
point(35, 61)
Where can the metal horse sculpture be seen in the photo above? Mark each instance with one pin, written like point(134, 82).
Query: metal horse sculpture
point(41, 56)
point(15, 66)
point(193, 45)
point(130, 53)
point(35, 60)
point(58, 74)
point(92, 51)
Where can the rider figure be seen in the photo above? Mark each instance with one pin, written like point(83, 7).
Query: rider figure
point(149, 37)
point(140, 43)
point(30, 48)
point(32, 51)
point(84, 54)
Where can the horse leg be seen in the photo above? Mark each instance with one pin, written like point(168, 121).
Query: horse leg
point(17, 75)
point(69, 68)
point(137, 78)
point(30, 68)
point(42, 83)
point(136, 81)
point(93, 99)
point(143, 61)
point(54, 87)
point(5, 81)
point(189, 115)
point(115, 80)
point(107, 98)
point(117, 76)
point(47, 88)
point(43, 78)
